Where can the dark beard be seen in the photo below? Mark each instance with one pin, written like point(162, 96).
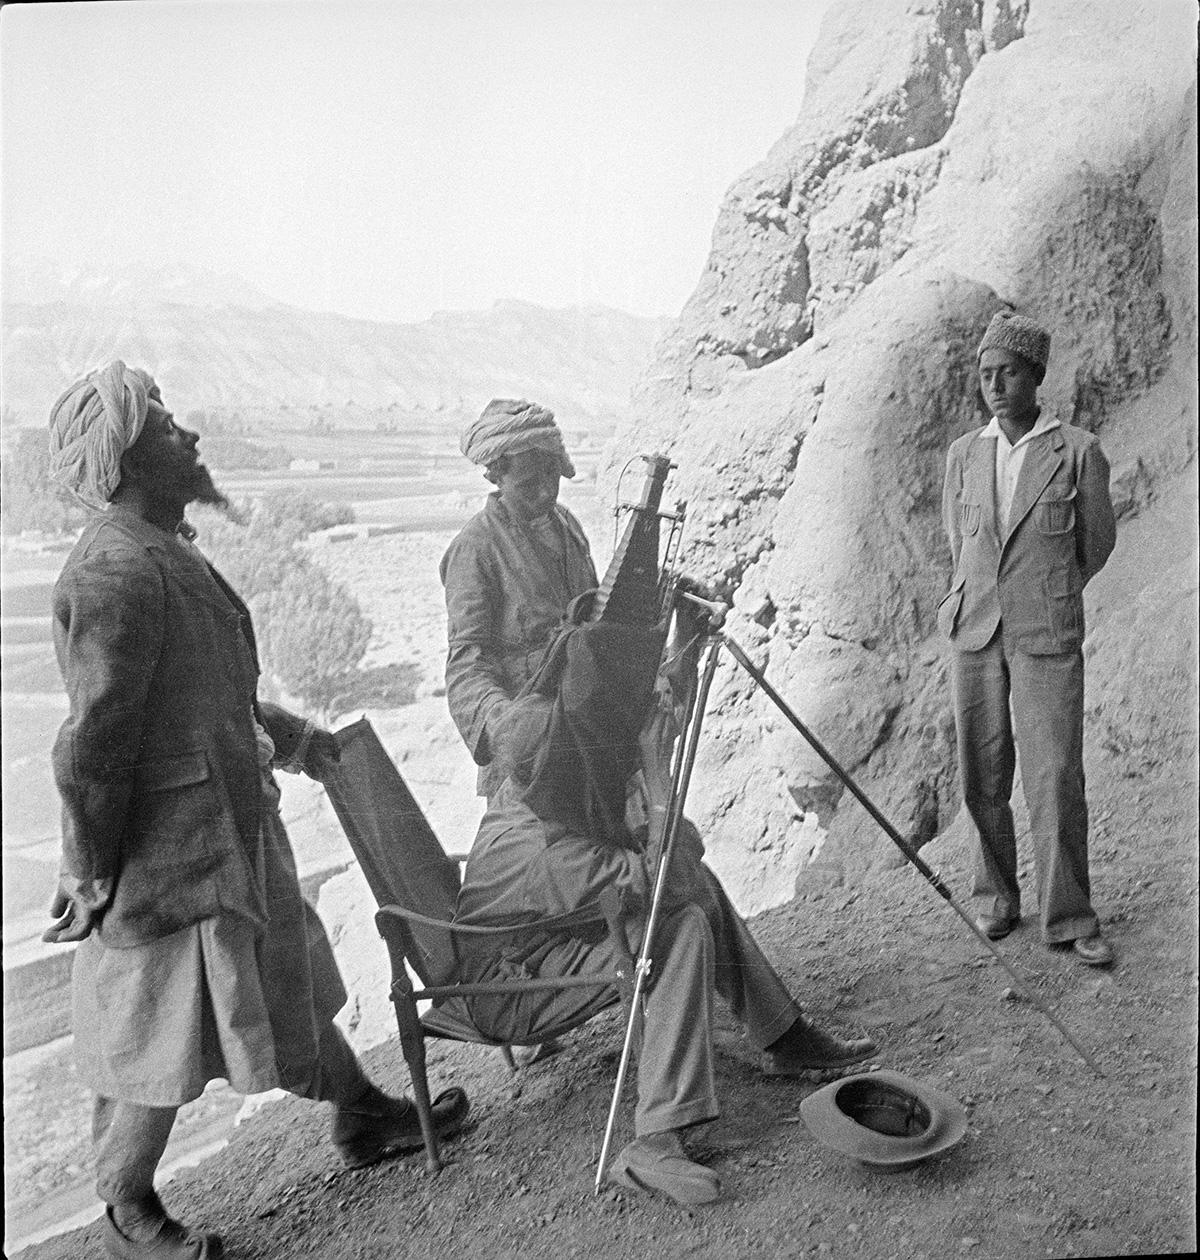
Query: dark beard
point(204, 492)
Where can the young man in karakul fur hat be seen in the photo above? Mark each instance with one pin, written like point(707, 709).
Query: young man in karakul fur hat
point(1027, 509)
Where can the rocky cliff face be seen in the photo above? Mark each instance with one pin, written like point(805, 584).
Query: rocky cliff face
point(951, 157)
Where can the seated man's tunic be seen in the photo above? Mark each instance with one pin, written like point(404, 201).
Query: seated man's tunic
point(521, 867)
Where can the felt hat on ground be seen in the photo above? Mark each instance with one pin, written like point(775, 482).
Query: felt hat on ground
point(883, 1119)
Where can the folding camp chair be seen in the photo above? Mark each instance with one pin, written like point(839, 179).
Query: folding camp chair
point(416, 884)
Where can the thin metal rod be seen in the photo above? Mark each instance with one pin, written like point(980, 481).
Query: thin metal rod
point(593, 980)
point(909, 852)
point(656, 839)
point(679, 787)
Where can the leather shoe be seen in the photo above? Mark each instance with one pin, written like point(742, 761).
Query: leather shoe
point(806, 1048)
point(1094, 950)
point(172, 1242)
point(996, 927)
point(663, 1167)
point(377, 1126)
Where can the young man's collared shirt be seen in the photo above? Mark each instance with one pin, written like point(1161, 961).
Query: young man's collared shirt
point(1009, 458)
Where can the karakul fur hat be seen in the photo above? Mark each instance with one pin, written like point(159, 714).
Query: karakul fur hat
point(1022, 336)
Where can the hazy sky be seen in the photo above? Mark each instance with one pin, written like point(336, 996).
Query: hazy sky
point(391, 159)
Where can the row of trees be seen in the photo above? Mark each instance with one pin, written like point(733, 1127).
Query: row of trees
point(223, 444)
point(31, 501)
point(28, 498)
point(312, 633)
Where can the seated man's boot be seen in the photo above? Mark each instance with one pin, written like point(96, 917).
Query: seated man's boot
point(657, 1162)
point(996, 926)
point(806, 1048)
point(376, 1126)
point(142, 1230)
point(1094, 950)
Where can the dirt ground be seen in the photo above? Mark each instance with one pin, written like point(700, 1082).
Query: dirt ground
point(1056, 1161)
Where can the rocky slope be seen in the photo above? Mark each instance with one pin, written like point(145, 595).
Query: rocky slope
point(212, 341)
point(1056, 1161)
point(951, 157)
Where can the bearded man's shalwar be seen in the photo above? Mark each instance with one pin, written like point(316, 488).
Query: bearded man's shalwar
point(507, 588)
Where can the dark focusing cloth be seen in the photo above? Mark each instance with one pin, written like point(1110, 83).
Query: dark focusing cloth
point(571, 741)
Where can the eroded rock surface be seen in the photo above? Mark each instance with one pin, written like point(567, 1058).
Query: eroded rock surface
point(951, 157)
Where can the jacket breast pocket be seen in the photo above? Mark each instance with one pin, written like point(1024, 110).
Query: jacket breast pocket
point(1055, 513)
point(968, 518)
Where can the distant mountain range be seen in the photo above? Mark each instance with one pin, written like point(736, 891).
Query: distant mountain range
point(214, 341)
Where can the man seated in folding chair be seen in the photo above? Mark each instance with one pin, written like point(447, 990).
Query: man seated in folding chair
point(509, 576)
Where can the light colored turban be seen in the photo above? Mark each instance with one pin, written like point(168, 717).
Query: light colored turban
point(508, 426)
point(92, 425)
point(1019, 335)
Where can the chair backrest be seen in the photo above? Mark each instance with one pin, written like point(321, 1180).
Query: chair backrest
point(405, 866)
point(400, 856)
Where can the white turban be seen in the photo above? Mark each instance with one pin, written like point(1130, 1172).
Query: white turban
point(92, 425)
point(508, 426)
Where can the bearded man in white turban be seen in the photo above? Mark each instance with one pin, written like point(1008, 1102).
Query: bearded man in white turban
point(509, 577)
point(198, 959)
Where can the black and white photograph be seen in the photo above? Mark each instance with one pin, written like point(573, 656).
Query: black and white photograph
point(599, 613)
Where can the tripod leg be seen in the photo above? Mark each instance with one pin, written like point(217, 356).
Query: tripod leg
point(909, 852)
point(682, 777)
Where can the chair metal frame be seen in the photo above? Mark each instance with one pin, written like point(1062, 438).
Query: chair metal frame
point(405, 866)
point(400, 928)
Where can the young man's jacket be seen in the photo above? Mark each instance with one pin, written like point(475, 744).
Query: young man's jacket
point(157, 761)
point(1030, 574)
